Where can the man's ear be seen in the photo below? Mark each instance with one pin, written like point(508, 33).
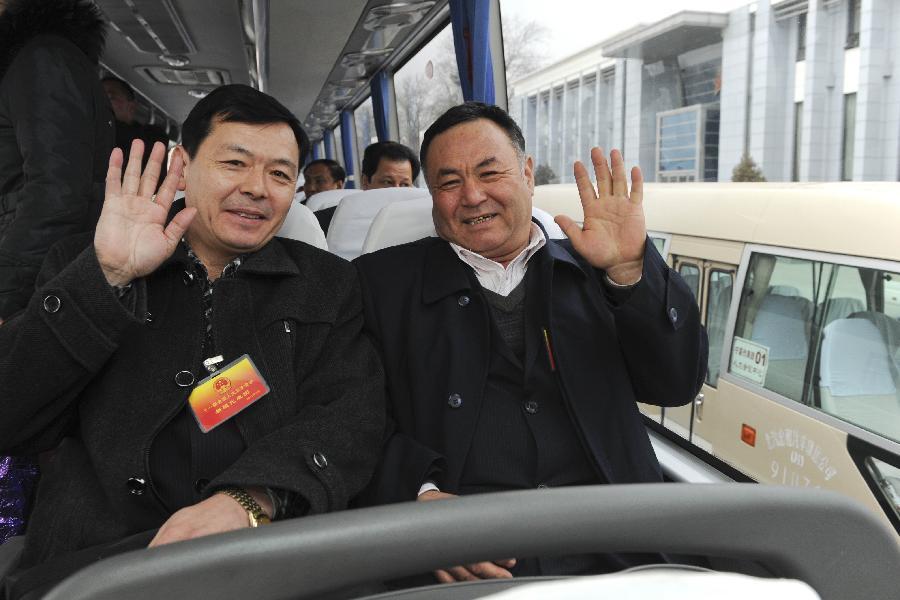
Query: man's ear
point(186, 161)
point(529, 173)
point(339, 185)
point(365, 181)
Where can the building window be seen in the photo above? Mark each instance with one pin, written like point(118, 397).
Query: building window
point(677, 136)
point(853, 17)
point(543, 145)
point(849, 134)
point(530, 125)
point(571, 132)
point(801, 37)
point(798, 140)
point(556, 129)
point(590, 137)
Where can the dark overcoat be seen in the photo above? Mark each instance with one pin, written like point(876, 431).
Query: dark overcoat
point(431, 323)
point(85, 375)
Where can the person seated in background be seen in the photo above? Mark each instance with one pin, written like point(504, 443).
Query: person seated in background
point(321, 175)
point(514, 361)
point(206, 376)
point(384, 165)
point(128, 128)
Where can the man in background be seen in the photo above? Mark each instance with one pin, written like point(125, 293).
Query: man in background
point(128, 128)
point(384, 165)
point(322, 175)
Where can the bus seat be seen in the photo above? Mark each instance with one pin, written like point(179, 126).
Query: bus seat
point(840, 308)
point(355, 213)
point(554, 232)
point(328, 198)
point(781, 326)
point(301, 224)
point(783, 290)
point(399, 223)
point(856, 378)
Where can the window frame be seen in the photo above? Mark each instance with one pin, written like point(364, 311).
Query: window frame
point(809, 411)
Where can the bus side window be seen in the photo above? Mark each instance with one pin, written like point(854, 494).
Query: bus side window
point(808, 331)
point(718, 300)
point(691, 275)
point(660, 244)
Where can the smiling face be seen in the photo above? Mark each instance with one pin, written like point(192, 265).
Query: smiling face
point(481, 190)
point(242, 182)
point(390, 173)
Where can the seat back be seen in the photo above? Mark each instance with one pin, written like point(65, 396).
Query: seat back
point(781, 325)
point(554, 232)
point(399, 223)
point(328, 198)
point(355, 213)
point(301, 224)
point(840, 308)
point(856, 377)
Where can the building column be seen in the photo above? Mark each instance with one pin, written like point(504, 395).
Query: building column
point(618, 112)
point(771, 103)
point(631, 148)
point(737, 40)
point(877, 140)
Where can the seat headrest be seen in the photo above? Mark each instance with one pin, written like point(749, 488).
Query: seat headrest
point(781, 326)
point(399, 223)
point(328, 198)
point(855, 360)
point(351, 221)
point(301, 224)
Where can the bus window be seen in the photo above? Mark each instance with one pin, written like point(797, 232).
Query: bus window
point(364, 118)
point(338, 146)
point(718, 299)
point(815, 332)
point(425, 86)
point(659, 244)
point(691, 275)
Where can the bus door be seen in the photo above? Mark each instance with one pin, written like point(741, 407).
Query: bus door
point(662, 242)
point(718, 289)
point(678, 419)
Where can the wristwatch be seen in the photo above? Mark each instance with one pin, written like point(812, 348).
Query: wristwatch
point(255, 512)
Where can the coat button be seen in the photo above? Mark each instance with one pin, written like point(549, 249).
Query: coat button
point(184, 378)
point(531, 407)
point(673, 315)
point(320, 460)
point(201, 484)
point(542, 486)
point(187, 277)
point(136, 485)
point(52, 304)
point(454, 401)
point(148, 318)
point(463, 300)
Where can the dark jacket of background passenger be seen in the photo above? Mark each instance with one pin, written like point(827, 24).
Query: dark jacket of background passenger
point(96, 381)
point(432, 328)
point(56, 133)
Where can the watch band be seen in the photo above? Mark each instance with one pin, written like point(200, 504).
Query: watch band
point(255, 512)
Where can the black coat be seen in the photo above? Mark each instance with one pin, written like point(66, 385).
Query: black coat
point(431, 324)
point(97, 379)
point(56, 133)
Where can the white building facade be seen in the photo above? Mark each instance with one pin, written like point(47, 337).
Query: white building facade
point(809, 89)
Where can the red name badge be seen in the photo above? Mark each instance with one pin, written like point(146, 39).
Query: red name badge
point(227, 392)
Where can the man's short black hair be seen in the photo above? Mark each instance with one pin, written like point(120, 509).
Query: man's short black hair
point(471, 111)
point(389, 151)
point(238, 103)
point(336, 170)
point(129, 91)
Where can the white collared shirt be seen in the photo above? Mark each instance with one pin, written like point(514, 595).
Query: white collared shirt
point(495, 277)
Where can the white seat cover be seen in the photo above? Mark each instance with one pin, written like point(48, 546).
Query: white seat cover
point(355, 213)
point(781, 326)
point(301, 224)
point(328, 198)
point(554, 232)
point(399, 223)
point(855, 360)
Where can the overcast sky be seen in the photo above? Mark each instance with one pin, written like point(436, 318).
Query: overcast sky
point(577, 24)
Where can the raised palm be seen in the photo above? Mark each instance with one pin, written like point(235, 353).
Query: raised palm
point(132, 238)
point(614, 230)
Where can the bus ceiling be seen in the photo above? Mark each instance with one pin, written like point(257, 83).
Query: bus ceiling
point(317, 57)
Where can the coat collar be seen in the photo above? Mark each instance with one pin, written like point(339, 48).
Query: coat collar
point(272, 259)
point(446, 274)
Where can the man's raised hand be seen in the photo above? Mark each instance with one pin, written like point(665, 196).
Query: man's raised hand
point(614, 230)
point(132, 238)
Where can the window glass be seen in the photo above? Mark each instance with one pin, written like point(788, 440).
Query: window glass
point(571, 133)
point(556, 130)
point(660, 244)
point(818, 333)
point(853, 16)
point(426, 86)
point(718, 300)
point(530, 125)
point(590, 137)
point(691, 275)
point(338, 146)
point(543, 145)
point(364, 118)
point(801, 37)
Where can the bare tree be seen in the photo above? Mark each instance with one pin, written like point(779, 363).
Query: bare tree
point(524, 46)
